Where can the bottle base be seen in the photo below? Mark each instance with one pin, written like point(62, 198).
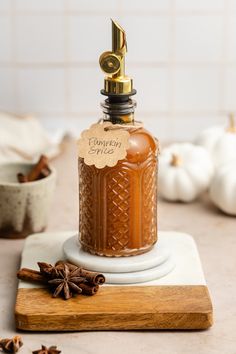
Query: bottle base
point(116, 253)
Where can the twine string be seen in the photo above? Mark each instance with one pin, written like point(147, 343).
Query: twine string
point(135, 126)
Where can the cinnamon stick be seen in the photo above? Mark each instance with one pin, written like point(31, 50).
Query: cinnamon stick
point(40, 170)
point(92, 277)
point(89, 289)
point(70, 265)
point(22, 178)
point(36, 171)
point(31, 275)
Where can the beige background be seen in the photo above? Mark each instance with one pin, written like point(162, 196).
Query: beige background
point(182, 55)
point(215, 236)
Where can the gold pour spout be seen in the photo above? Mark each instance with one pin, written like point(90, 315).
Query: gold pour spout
point(119, 43)
point(113, 64)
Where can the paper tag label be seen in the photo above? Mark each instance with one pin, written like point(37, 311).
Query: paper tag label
point(101, 146)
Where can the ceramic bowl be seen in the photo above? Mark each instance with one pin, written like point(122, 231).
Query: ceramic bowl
point(24, 207)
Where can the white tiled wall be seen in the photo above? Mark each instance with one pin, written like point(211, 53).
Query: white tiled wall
point(182, 56)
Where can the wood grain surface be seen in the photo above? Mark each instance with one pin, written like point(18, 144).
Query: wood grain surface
point(116, 308)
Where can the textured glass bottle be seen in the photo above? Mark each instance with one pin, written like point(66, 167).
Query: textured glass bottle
point(118, 215)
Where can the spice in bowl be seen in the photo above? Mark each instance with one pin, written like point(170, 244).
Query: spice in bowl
point(39, 171)
point(26, 192)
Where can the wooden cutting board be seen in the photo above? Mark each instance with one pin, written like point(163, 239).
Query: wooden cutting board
point(179, 300)
point(116, 308)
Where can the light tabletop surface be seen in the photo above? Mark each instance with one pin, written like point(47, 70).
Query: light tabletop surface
point(215, 235)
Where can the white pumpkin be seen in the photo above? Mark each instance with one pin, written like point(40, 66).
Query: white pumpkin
point(220, 141)
point(185, 171)
point(223, 188)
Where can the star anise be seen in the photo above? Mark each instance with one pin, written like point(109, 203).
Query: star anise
point(67, 282)
point(44, 350)
point(48, 270)
point(11, 345)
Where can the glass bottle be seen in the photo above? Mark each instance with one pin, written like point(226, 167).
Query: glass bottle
point(118, 205)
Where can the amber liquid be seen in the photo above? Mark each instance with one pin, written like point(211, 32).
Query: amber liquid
point(118, 205)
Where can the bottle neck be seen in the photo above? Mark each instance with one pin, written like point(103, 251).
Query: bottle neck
point(119, 112)
point(119, 119)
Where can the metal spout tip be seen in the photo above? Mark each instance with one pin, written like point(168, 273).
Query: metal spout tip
point(116, 24)
point(118, 38)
